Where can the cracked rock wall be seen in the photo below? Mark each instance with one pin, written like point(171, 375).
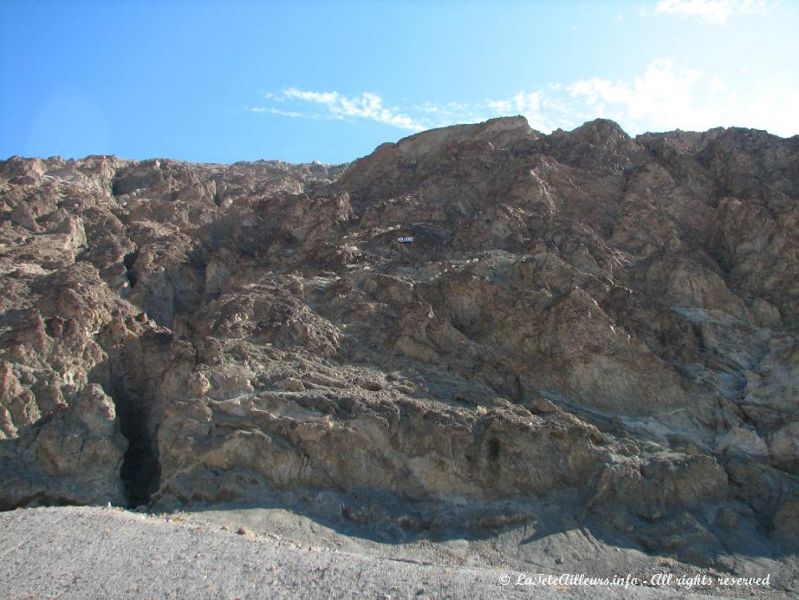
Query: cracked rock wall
point(580, 315)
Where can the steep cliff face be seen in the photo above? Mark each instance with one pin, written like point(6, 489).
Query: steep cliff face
point(471, 317)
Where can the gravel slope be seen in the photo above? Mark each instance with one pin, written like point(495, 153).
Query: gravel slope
point(84, 552)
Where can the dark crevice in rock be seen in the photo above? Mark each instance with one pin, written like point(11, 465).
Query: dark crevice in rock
point(141, 468)
point(130, 261)
point(518, 390)
point(493, 449)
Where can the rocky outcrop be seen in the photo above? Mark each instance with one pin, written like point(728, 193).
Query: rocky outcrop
point(473, 315)
point(69, 456)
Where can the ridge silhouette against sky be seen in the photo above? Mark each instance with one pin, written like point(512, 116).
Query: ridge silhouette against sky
point(329, 81)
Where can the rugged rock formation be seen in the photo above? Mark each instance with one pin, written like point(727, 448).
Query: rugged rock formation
point(441, 334)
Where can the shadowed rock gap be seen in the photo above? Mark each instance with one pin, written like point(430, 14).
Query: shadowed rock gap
point(141, 470)
point(129, 261)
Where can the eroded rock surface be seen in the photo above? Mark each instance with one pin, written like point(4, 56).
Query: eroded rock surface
point(441, 334)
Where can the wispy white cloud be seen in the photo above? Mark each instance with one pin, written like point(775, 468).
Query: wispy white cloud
point(667, 96)
point(662, 97)
point(715, 12)
point(545, 109)
point(276, 111)
point(335, 105)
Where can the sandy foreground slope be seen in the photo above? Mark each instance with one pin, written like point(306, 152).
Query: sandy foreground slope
point(84, 552)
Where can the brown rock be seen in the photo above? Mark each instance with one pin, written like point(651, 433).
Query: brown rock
point(246, 532)
point(582, 313)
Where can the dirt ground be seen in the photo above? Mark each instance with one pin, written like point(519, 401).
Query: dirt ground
point(87, 552)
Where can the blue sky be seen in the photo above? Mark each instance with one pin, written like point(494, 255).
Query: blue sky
point(222, 81)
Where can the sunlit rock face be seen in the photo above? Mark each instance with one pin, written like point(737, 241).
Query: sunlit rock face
point(473, 315)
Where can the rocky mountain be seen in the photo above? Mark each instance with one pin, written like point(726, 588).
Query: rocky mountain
point(450, 333)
